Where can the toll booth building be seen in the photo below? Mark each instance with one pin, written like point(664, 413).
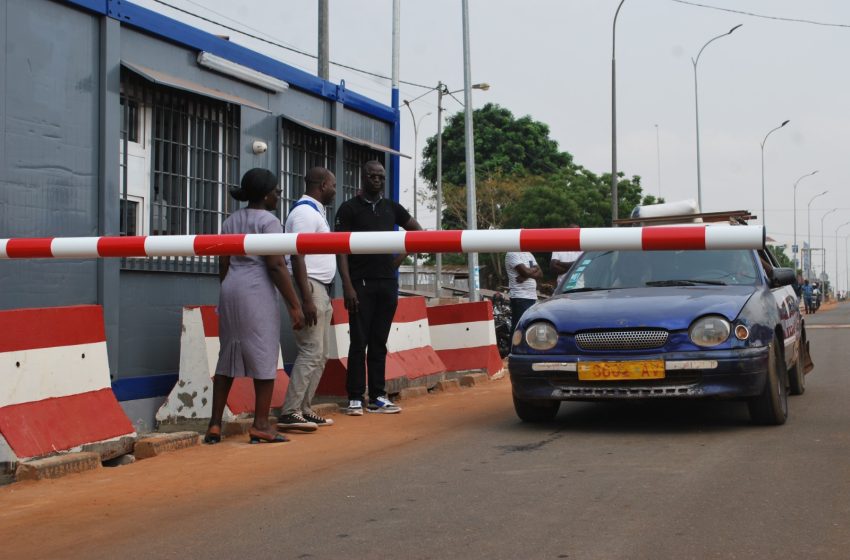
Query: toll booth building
point(116, 120)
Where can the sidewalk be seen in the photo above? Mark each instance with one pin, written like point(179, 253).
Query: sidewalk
point(64, 518)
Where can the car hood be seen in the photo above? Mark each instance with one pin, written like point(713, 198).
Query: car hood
point(672, 308)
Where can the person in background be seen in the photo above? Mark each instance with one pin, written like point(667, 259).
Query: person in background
point(249, 309)
point(563, 260)
point(370, 290)
point(808, 298)
point(523, 274)
point(314, 276)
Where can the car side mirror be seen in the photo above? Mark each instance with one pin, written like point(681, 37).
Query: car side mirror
point(784, 277)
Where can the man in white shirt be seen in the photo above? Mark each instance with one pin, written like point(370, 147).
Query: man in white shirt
point(314, 276)
point(563, 260)
point(523, 273)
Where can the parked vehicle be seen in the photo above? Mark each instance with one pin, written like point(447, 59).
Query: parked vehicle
point(502, 322)
point(664, 324)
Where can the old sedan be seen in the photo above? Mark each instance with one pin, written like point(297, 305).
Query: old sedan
point(663, 324)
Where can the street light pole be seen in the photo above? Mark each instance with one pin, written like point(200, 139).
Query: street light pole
point(614, 195)
point(471, 203)
point(823, 243)
point(794, 246)
point(658, 155)
point(763, 217)
point(809, 226)
point(416, 126)
point(441, 88)
point(695, 61)
point(835, 284)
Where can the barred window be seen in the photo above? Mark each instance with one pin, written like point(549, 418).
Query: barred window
point(177, 172)
point(301, 149)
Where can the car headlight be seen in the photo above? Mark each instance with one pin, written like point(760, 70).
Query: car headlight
point(709, 331)
point(541, 336)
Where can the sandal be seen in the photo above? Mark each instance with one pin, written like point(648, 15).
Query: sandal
point(213, 435)
point(256, 436)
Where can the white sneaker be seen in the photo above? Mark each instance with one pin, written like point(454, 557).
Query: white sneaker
point(383, 405)
point(355, 408)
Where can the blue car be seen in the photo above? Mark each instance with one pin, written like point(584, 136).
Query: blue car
point(664, 324)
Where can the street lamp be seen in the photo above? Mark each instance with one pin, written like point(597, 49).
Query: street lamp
point(794, 246)
point(809, 226)
point(763, 217)
point(695, 61)
point(442, 90)
point(416, 126)
point(614, 196)
point(835, 285)
point(823, 244)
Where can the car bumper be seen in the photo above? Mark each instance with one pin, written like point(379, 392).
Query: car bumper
point(707, 374)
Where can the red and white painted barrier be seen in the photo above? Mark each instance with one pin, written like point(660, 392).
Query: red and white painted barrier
point(655, 238)
point(409, 352)
point(191, 397)
point(464, 336)
point(55, 391)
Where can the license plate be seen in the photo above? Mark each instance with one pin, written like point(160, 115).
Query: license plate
point(617, 371)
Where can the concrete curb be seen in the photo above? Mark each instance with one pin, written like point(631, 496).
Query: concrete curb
point(153, 445)
point(472, 379)
point(326, 409)
point(447, 386)
point(57, 466)
point(412, 392)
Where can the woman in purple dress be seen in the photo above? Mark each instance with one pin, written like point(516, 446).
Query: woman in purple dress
point(249, 309)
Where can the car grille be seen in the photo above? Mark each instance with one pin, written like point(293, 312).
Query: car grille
point(621, 340)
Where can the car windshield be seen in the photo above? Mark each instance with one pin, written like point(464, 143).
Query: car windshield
point(602, 270)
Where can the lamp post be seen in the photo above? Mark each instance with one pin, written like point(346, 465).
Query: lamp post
point(763, 217)
point(416, 126)
point(835, 284)
point(809, 226)
point(471, 202)
point(823, 244)
point(658, 155)
point(614, 195)
point(441, 90)
point(695, 61)
point(794, 246)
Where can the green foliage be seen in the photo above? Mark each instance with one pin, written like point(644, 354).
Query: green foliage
point(779, 252)
point(503, 144)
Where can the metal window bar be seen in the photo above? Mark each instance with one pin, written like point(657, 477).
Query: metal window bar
point(194, 161)
point(301, 149)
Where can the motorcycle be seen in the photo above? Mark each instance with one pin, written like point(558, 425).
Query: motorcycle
point(502, 322)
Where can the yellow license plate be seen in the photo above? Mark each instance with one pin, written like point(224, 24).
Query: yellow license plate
point(618, 371)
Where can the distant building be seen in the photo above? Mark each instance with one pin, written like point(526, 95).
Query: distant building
point(116, 120)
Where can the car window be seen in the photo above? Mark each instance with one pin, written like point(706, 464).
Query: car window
point(630, 269)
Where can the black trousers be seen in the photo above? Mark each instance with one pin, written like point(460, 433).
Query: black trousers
point(518, 307)
point(369, 330)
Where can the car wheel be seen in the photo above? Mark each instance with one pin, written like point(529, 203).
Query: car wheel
point(797, 374)
point(771, 406)
point(536, 411)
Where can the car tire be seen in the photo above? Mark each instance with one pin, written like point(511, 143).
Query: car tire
point(536, 411)
point(770, 408)
point(797, 374)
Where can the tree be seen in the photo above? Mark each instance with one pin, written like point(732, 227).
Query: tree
point(779, 252)
point(504, 145)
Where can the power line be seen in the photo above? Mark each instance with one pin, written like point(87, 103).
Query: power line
point(285, 47)
point(762, 16)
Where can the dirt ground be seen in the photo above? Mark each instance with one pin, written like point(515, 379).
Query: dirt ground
point(62, 518)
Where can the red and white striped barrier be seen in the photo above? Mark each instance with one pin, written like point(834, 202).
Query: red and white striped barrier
point(55, 391)
point(410, 355)
point(191, 397)
point(464, 336)
point(652, 238)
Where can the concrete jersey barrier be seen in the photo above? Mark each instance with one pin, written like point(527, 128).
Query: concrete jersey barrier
point(55, 394)
point(464, 336)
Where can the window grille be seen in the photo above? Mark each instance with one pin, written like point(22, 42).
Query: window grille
point(194, 160)
point(301, 149)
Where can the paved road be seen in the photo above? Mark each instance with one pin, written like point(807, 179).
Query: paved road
point(457, 476)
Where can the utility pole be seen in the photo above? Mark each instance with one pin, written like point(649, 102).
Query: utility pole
point(439, 271)
point(324, 41)
point(471, 204)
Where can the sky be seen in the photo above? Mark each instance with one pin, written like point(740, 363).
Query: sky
point(551, 59)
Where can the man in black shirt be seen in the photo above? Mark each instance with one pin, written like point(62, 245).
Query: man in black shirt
point(370, 289)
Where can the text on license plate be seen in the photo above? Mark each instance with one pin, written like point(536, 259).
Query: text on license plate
point(615, 371)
